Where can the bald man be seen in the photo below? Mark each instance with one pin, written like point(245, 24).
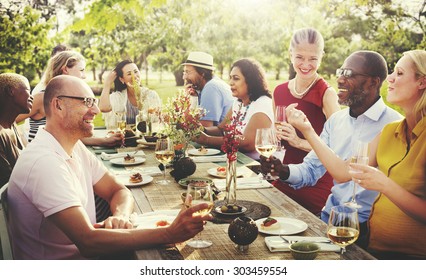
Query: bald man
point(51, 199)
point(15, 99)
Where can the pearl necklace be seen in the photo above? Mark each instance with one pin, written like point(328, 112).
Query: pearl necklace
point(306, 90)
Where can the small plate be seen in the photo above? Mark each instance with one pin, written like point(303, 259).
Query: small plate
point(149, 220)
point(196, 152)
point(213, 172)
point(288, 226)
point(120, 161)
point(124, 179)
point(243, 209)
point(184, 182)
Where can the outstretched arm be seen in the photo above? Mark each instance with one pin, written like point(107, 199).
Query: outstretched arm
point(104, 102)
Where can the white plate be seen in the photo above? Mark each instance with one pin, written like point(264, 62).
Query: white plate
point(120, 161)
point(213, 172)
point(150, 219)
point(124, 179)
point(288, 226)
point(196, 152)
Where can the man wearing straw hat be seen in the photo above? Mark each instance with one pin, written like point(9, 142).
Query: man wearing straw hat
point(214, 95)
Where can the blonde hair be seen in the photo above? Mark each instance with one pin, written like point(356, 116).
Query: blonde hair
point(59, 61)
point(418, 57)
point(307, 35)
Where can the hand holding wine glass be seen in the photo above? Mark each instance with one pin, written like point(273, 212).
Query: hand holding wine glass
point(266, 144)
point(121, 124)
point(199, 193)
point(360, 156)
point(343, 226)
point(164, 153)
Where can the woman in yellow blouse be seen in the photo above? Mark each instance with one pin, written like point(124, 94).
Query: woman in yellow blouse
point(398, 218)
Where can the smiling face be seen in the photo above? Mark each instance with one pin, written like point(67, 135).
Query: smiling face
point(353, 91)
point(306, 59)
point(404, 86)
point(78, 70)
point(78, 117)
point(23, 98)
point(130, 70)
point(238, 84)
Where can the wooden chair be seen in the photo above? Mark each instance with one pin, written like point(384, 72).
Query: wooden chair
point(4, 233)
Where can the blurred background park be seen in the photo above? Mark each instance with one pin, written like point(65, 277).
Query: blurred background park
point(158, 34)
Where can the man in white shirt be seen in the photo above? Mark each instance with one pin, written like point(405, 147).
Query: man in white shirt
point(51, 189)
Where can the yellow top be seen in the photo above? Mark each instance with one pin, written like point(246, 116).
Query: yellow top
point(391, 230)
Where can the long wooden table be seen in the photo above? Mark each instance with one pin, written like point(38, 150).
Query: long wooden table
point(154, 197)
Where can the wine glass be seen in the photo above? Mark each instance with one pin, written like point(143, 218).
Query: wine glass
point(200, 193)
point(164, 153)
point(343, 226)
point(359, 155)
point(280, 116)
point(266, 144)
point(121, 124)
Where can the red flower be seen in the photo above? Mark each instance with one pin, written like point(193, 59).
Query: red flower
point(233, 136)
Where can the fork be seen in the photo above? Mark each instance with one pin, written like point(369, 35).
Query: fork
point(287, 241)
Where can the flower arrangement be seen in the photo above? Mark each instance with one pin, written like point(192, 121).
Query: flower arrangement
point(182, 123)
point(233, 135)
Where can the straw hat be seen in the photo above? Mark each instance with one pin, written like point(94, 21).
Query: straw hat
point(200, 59)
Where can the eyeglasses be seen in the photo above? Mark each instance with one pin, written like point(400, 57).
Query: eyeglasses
point(348, 73)
point(88, 101)
point(188, 72)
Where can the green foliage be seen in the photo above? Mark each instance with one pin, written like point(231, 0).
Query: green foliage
point(23, 43)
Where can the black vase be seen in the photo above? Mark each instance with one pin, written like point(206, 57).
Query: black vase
point(243, 231)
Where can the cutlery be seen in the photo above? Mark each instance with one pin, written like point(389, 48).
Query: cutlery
point(327, 241)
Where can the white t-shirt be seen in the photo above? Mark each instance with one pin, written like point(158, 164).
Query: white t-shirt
point(45, 181)
point(262, 105)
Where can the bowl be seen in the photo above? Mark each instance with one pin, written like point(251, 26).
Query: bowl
point(304, 250)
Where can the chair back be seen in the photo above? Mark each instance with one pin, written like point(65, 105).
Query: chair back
point(4, 232)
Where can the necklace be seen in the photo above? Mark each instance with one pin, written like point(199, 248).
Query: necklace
point(306, 90)
point(245, 112)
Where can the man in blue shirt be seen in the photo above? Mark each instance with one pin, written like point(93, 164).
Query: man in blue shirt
point(359, 82)
point(214, 95)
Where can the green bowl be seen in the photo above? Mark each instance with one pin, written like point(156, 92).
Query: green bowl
point(304, 250)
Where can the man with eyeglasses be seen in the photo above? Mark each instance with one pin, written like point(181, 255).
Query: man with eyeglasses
point(51, 189)
point(214, 95)
point(359, 81)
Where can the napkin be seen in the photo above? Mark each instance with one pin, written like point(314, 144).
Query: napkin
point(209, 158)
point(149, 220)
point(244, 183)
point(276, 244)
point(106, 156)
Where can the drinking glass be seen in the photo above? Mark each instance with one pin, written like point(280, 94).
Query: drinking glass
point(164, 153)
point(343, 226)
point(280, 116)
point(266, 144)
point(121, 124)
point(359, 155)
point(200, 193)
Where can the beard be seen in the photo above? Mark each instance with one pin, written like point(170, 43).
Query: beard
point(355, 98)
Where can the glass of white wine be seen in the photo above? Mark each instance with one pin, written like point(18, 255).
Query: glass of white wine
point(266, 144)
point(343, 226)
point(360, 156)
point(200, 193)
point(121, 124)
point(164, 153)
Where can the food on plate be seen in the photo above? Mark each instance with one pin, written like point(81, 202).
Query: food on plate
point(128, 159)
point(231, 209)
point(198, 183)
point(221, 171)
point(202, 150)
point(270, 224)
point(110, 133)
point(162, 223)
point(135, 178)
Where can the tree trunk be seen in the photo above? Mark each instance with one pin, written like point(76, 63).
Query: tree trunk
point(178, 78)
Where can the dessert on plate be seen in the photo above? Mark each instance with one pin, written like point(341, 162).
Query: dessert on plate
point(129, 159)
point(270, 224)
point(135, 178)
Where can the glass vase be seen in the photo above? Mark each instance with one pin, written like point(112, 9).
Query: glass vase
point(231, 182)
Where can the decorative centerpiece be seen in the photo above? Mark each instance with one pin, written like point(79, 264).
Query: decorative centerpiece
point(243, 231)
point(182, 124)
point(233, 136)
